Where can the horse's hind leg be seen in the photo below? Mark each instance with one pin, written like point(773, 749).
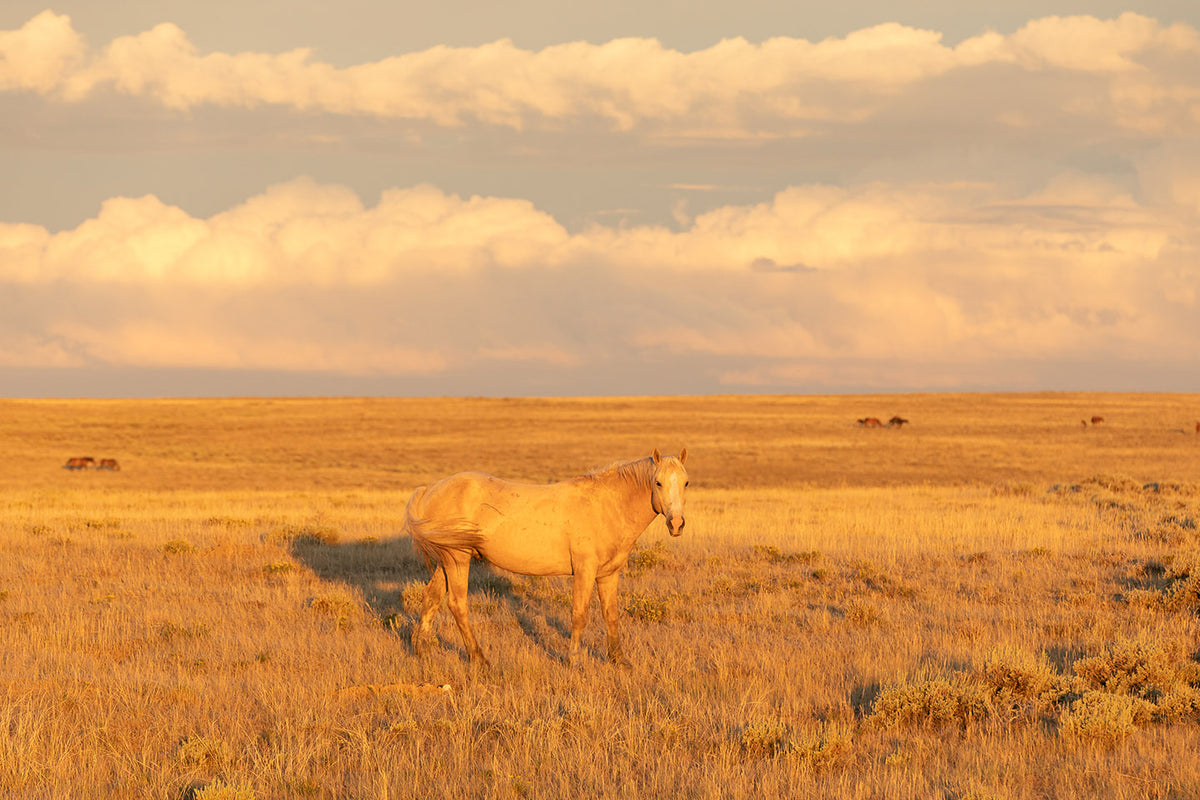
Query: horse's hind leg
point(456, 580)
point(435, 590)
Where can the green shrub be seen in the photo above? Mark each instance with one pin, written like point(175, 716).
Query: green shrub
point(1103, 717)
point(338, 604)
point(1012, 673)
point(645, 558)
point(1138, 669)
point(648, 608)
point(774, 555)
point(933, 703)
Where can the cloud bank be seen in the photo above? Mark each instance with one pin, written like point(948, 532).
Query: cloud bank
point(1015, 211)
point(1138, 75)
point(790, 292)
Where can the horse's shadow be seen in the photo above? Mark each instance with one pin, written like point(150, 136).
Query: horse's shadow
point(381, 570)
point(378, 569)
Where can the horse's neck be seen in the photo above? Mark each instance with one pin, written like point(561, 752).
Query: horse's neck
point(631, 485)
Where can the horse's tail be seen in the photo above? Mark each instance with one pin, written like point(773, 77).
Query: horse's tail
point(437, 539)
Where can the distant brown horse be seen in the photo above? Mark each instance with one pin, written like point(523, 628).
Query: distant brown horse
point(870, 422)
point(1097, 420)
point(86, 462)
point(110, 464)
point(584, 527)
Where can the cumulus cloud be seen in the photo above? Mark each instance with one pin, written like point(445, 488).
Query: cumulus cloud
point(41, 55)
point(298, 232)
point(1143, 70)
point(306, 276)
point(302, 232)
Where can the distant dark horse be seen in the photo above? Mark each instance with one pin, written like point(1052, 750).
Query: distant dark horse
point(897, 422)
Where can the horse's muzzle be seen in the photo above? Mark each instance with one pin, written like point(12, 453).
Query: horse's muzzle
point(675, 525)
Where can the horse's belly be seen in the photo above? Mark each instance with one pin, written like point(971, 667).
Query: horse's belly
point(528, 551)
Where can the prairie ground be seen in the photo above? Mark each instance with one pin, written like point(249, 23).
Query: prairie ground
point(994, 600)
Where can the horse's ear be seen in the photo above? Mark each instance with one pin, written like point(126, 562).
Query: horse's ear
point(683, 456)
point(657, 458)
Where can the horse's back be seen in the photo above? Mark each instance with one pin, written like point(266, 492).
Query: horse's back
point(518, 526)
point(477, 495)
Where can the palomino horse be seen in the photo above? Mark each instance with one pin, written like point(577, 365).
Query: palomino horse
point(583, 527)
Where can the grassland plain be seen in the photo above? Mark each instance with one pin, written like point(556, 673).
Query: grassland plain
point(993, 601)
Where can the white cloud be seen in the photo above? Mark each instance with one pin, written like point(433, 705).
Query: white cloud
point(302, 232)
point(733, 89)
point(294, 233)
point(307, 277)
point(40, 55)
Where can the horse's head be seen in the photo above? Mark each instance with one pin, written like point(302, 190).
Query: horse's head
point(667, 488)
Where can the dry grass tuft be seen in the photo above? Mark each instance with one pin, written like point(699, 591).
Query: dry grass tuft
point(339, 605)
point(304, 534)
point(219, 790)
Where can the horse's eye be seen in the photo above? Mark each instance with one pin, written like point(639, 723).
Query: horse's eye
point(686, 484)
point(658, 484)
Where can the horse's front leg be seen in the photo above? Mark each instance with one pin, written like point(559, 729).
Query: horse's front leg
point(612, 617)
point(585, 581)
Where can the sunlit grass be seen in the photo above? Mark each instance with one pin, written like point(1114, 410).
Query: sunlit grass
point(1028, 637)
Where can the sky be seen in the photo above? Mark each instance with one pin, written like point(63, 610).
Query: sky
point(545, 198)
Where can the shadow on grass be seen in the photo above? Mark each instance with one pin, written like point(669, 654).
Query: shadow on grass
point(377, 569)
point(380, 571)
point(862, 698)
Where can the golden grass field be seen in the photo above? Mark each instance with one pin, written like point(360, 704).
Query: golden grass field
point(994, 601)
